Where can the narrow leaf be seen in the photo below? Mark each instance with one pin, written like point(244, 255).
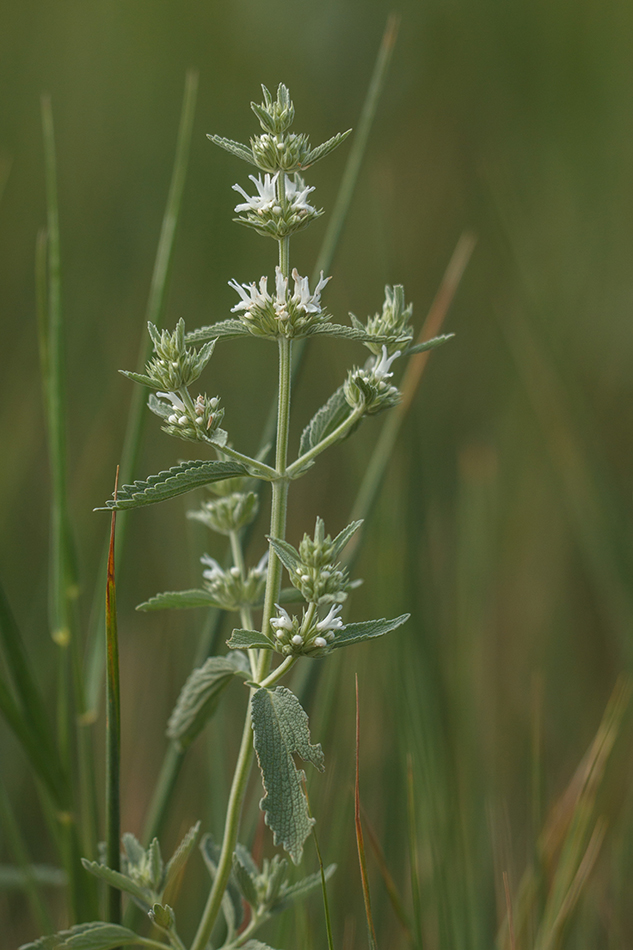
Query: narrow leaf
point(181, 855)
point(200, 696)
point(180, 600)
point(315, 154)
point(93, 936)
point(299, 890)
point(120, 881)
point(113, 729)
point(175, 481)
point(232, 906)
point(245, 881)
point(249, 639)
point(280, 730)
point(138, 378)
point(371, 933)
point(357, 632)
point(12, 877)
point(343, 537)
point(224, 330)
point(428, 344)
point(235, 148)
point(288, 555)
point(348, 333)
point(325, 421)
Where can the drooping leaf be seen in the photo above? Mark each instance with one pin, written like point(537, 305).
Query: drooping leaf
point(176, 481)
point(280, 731)
point(93, 936)
point(320, 151)
point(201, 694)
point(116, 879)
point(299, 890)
point(245, 881)
point(224, 330)
point(288, 555)
point(232, 906)
point(428, 344)
point(235, 148)
point(343, 537)
point(366, 630)
point(181, 855)
point(249, 640)
point(179, 600)
point(325, 421)
point(12, 877)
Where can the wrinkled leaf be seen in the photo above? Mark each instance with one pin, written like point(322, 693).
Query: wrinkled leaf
point(176, 481)
point(181, 855)
point(245, 882)
point(324, 421)
point(280, 731)
point(179, 600)
point(224, 330)
point(116, 879)
point(93, 936)
point(347, 333)
point(201, 694)
point(288, 555)
point(249, 640)
point(357, 632)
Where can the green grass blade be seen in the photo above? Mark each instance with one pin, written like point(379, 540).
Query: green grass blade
point(360, 843)
point(20, 853)
point(154, 313)
point(113, 730)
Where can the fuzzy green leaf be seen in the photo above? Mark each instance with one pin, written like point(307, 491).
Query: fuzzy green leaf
point(116, 879)
point(315, 154)
point(232, 906)
point(139, 378)
point(235, 148)
point(201, 694)
point(224, 330)
point(428, 344)
point(367, 630)
point(255, 945)
point(181, 855)
point(12, 877)
point(179, 600)
point(288, 555)
point(245, 881)
point(249, 639)
point(176, 481)
point(325, 420)
point(93, 936)
point(280, 731)
point(296, 891)
point(347, 333)
point(343, 537)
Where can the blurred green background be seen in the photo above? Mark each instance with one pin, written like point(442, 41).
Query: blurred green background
point(504, 523)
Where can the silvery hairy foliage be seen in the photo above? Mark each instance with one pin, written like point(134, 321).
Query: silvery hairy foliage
point(279, 624)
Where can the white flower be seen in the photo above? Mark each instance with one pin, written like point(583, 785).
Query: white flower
point(179, 406)
point(332, 621)
point(266, 197)
point(251, 296)
point(320, 642)
point(283, 622)
point(302, 299)
point(297, 194)
point(383, 365)
point(215, 571)
point(262, 564)
point(297, 639)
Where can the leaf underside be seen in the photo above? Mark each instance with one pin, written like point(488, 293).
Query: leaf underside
point(248, 640)
point(201, 694)
point(176, 481)
point(93, 936)
point(280, 731)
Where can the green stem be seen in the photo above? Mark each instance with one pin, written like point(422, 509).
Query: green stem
point(281, 670)
point(324, 444)
point(273, 584)
point(20, 853)
point(113, 734)
point(246, 614)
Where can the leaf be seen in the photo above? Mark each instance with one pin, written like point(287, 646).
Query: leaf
point(280, 730)
point(288, 555)
point(181, 855)
point(357, 632)
point(232, 906)
point(176, 481)
point(290, 595)
point(121, 881)
point(224, 330)
point(296, 891)
point(93, 936)
point(43, 874)
point(255, 945)
point(249, 640)
point(315, 154)
point(139, 378)
point(347, 333)
point(200, 696)
point(245, 881)
point(325, 421)
point(235, 148)
point(179, 600)
point(343, 537)
point(428, 344)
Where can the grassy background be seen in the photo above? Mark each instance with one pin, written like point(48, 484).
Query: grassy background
point(504, 525)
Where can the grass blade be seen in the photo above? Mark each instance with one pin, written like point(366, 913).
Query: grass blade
point(390, 884)
point(371, 933)
point(113, 729)
point(326, 906)
point(21, 856)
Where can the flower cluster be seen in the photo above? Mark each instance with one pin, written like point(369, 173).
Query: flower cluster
point(308, 636)
point(273, 213)
point(368, 388)
point(175, 365)
point(228, 513)
point(394, 322)
point(197, 421)
point(316, 574)
point(230, 589)
point(282, 314)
